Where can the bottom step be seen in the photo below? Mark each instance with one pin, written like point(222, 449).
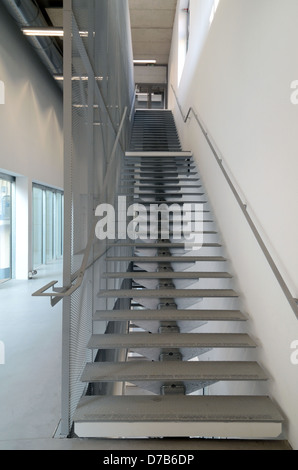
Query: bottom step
point(241, 417)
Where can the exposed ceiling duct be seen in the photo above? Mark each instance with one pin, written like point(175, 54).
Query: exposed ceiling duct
point(27, 13)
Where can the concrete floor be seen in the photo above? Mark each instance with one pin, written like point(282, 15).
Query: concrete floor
point(30, 379)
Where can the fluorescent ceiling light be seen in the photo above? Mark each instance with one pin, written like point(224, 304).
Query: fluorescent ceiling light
point(53, 32)
point(43, 32)
point(144, 61)
point(77, 78)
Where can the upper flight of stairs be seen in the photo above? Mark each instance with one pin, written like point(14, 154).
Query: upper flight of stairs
point(159, 124)
point(182, 306)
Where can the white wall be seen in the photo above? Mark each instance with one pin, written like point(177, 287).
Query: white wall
point(150, 74)
point(31, 141)
point(238, 78)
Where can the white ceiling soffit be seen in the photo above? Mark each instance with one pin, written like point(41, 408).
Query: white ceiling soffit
point(56, 16)
point(152, 26)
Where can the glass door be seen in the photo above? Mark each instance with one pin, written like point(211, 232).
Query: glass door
point(5, 228)
point(47, 225)
point(151, 96)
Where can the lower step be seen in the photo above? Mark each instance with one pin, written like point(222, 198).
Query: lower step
point(242, 417)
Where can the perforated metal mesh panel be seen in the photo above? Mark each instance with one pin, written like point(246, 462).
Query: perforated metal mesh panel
point(99, 68)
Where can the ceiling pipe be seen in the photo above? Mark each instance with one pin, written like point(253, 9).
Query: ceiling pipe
point(27, 13)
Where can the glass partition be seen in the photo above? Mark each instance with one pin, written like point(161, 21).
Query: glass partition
point(5, 227)
point(47, 225)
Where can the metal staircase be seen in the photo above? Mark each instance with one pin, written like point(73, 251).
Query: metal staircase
point(177, 307)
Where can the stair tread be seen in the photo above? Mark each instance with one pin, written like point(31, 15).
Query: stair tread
point(156, 154)
point(167, 293)
point(172, 371)
point(144, 245)
point(171, 194)
point(168, 275)
point(180, 202)
point(159, 186)
point(169, 315)
point(173, 340)
point(165, 259)
point(164, 408)
point(167, 175)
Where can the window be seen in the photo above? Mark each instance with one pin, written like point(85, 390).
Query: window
point(6, 226)
point(47, 225)
point(183, 35)
point(213, 11)
point(187, 26)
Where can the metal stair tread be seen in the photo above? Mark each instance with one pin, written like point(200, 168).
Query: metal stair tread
point(172, 371)
point(144, 245)
point(164, 409)
point(169, 315)
point(165, 259)
point(159, 186)
point(171, 340)
point(156, 154)
point(168, 275)
point(180, 202)
point(171, 194)
point(167, 293)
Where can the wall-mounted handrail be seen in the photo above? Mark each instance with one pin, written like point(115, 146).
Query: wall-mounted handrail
point(292, 301)
point(58, 294)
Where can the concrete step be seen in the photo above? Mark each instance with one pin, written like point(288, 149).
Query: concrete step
point(247, 417)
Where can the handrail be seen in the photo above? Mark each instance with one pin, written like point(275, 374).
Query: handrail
point(58, 294)
point(292, 301)
point(132, 107)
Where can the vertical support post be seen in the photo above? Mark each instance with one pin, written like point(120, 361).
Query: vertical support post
point(67, 124)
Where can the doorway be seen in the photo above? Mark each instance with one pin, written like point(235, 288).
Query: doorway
point(6, 192)
point(149, 96)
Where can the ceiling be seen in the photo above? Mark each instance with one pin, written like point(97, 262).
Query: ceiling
point(152, 27)
point(151, 24)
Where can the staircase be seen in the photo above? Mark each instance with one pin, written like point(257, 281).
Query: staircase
point(177, 307)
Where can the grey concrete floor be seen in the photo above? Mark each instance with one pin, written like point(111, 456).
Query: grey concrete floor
point(31, 376)
point(30, 379)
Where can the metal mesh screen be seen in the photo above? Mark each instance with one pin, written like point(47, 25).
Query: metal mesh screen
point(102, 88)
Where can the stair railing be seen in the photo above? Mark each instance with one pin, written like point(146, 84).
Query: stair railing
point(58, 293)
point(291, 300)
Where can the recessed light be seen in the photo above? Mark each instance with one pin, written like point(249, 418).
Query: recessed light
point(50, 32)
point(144, 61)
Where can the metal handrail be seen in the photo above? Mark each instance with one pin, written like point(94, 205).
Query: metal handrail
point(292, 301)
point(58, 294)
